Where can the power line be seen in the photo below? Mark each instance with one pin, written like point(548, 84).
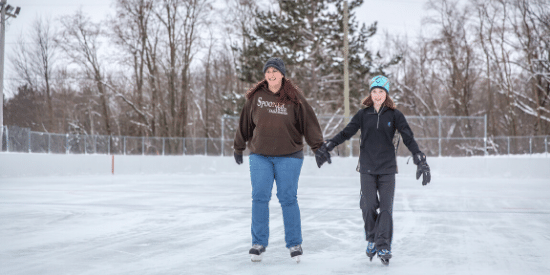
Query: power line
point(72, 78)
point(68, 5)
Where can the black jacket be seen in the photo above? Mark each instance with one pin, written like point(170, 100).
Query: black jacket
point(377, 153)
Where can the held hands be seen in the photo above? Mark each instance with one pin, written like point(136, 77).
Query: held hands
point(422, 168)
point(322, 155)
point(238, 158)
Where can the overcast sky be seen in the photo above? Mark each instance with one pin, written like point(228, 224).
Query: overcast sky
point(394, 16)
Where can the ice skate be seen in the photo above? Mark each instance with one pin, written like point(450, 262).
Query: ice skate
point(256, 252)
point(371, 250)
point(296, 252)
point(385, 256)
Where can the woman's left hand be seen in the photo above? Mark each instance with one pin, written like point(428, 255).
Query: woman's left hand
point(422, 168)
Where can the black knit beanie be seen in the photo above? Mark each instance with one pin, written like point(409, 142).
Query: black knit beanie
point(276, 63)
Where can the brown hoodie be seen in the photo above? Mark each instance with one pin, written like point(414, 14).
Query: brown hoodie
point(274, 128)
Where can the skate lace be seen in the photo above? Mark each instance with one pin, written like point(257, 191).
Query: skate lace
point(295, 248)
point(370, 246)
point(385, 251)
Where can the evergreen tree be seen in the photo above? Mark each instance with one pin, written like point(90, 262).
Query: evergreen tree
point(25, 109)
point(308, 36)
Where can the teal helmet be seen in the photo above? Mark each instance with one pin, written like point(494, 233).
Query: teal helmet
point(380, 81)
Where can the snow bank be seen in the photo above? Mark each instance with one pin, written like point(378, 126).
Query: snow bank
point(23, 164)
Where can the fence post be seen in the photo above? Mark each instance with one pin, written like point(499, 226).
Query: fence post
point(7, 139)
point(163, 139)
point(439, 135)
point(485, 137)
point(206, 146)
point(530, 146)
point(29, 141)
point(49, 143)
point(183, 146)
point(546, 145)
point(67, 144)
point(143, 146)
point(223, 136)
point(508, 145)
point(85, 146)
point(124, 145)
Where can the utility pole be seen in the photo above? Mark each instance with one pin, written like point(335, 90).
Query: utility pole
point(6, 10)
point(346, 75)
point(2, 42)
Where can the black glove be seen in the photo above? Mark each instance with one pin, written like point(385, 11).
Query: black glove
point(322, 155)
point(422, 168)
point(238, 158)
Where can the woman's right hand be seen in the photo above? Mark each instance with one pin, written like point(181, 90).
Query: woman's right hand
point(322, 154)
point(238, 158)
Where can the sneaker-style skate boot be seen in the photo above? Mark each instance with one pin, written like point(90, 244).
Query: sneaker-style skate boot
point(296, 252)
point(256, 252)
point(371, 250)
point(385, 256)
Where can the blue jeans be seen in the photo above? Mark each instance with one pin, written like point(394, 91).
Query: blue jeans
point(285, 171)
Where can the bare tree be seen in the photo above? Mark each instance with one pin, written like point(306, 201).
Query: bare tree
point(195, 17)
point(80, 41)
point(208, 84)
point(531, 27)
point(130, 32)
point(455, 53)
point(512, 36)
point(181, 20)
point(496, 62)
point(167, 14)
point(36, 61)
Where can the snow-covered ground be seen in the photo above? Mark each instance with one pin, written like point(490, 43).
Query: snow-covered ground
point(198, 222)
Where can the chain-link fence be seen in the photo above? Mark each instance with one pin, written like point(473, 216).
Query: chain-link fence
point(23, 140)
point(16, 139)
point(435, 135)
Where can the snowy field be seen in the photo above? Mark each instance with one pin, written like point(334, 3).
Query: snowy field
point(199, 223)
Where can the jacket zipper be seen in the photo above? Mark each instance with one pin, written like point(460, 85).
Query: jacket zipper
point(378, 121)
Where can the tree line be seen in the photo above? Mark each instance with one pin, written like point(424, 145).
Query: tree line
point(484, 57)
point(173, 68)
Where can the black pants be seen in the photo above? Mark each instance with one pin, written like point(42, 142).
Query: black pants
point(377, 193)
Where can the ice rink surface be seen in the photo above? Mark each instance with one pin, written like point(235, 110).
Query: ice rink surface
point(200, 224)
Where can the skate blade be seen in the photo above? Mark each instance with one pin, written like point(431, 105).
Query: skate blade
point(297, 259)
point(255, 258)
point(371, 255)
point(385, 262)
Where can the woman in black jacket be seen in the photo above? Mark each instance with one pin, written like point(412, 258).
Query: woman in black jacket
point(379, 122)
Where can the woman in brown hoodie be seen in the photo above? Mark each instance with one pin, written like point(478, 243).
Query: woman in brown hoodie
point(273, 123)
